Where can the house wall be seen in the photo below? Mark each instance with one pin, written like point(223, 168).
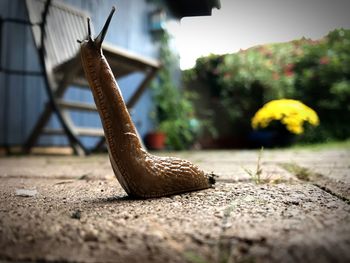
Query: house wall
point(22, 98)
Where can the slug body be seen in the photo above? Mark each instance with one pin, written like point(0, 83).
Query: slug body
point(141, 174)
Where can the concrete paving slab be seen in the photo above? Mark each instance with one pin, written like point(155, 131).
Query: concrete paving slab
point(235, 166)
point(329, 170)
point(77, 212)
point(65, 167)
point(93, 221)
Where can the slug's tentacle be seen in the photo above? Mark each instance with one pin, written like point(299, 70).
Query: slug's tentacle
point(99, 39)
point(89, 27)
point(141, 174)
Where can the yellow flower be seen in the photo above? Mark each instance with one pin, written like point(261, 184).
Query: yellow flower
point(291, 113)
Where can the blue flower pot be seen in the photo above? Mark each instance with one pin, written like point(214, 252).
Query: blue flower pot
point(270, 138)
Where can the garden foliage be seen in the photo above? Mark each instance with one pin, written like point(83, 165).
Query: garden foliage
point(174, 113)
point(314, 72)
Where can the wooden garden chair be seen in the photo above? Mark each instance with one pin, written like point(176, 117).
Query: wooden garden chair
point(62, 26)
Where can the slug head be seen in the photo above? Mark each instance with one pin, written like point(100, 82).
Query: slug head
point(97, 42)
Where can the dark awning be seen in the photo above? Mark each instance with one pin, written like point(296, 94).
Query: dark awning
point(183, 8)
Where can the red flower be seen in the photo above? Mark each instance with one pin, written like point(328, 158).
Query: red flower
point(324, 61)
point(288, 70)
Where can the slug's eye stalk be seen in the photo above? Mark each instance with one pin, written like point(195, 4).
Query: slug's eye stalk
point(89, 38)
point(89, 28)
point(99, 39)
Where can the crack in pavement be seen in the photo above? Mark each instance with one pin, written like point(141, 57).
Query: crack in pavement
point(319, 180)
point(329, 191)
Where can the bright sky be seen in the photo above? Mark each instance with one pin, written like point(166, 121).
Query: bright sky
point(241, 24)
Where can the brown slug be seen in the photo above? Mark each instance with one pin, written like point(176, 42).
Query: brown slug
point(141, 174)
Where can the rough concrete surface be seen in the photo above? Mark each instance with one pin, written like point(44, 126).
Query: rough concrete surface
point(71, 209)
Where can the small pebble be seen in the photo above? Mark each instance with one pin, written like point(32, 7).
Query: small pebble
point(76, 214)
point(26, 192)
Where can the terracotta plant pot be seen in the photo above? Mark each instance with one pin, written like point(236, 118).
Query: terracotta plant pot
point(155, 140)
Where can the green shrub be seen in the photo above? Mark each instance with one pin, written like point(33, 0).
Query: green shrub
point(174, 113)
point(314, 72)
point(323, 82)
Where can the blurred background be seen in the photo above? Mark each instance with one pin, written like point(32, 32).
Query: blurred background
point(216, 64)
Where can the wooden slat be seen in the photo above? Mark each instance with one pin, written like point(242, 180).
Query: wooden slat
point(80, 82)
point(128, 58)
point(73, 105)
point(89, 131)
point(121, 62)
point(52, 131)
point(93, 132)
point(141, 88)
